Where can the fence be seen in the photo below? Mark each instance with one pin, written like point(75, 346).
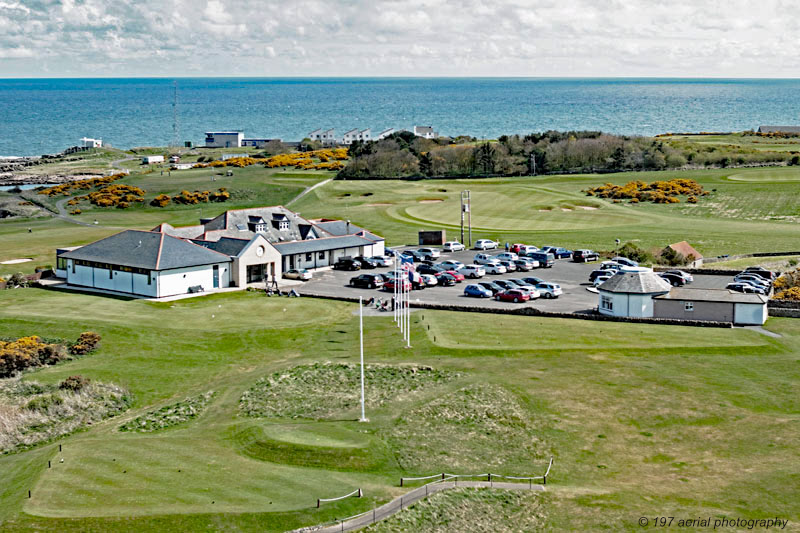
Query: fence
point(440, 482)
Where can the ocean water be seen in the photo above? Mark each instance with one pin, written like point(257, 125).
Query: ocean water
point(47, 115)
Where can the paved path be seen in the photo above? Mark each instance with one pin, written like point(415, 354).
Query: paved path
point(396, 505)
point(307, 190)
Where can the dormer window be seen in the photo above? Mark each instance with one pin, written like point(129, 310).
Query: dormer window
point(261, 228)
point(283, 225)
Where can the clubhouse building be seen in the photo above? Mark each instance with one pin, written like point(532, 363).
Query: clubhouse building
point(234, 249)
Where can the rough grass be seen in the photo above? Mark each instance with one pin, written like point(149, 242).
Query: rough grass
point(32, 413)
point(325, 390)
point(780, 262)
point(469, 510)
point(170, 415)
point(465, 431)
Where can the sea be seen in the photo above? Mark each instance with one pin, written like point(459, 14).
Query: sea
point(39, 116)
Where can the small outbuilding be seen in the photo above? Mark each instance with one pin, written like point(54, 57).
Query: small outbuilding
point(630, 293)
point(687, 250)
point(152, 159)
point(720, 305)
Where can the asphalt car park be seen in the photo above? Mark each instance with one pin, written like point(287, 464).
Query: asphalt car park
point(573, 278)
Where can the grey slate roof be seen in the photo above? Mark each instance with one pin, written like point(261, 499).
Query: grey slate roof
point(299, 227)
point(146, 249)
point(340, 227)
point(635, 283)
point(225, 245)
point(712, 295)
point(781, 129)
point(318, 245)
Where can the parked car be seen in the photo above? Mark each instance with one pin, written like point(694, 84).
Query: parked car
point(761, 271)
point(347, 264)
point(525, 264)
point(517, 247)
point(512, 295)
point(532, 293)
point(485, 244)
point(533, 280)
point(459, 277)
point(526, 248)
point(494, 268)
point(451, 264)
point(521, 282)
point(558, 252)
point(472, 271)
point(415, 256)
point(492, 286)
point(688, 278)
point(611, 265)
point(298, 273)
point(484, 259)
point(477, 291)
point(584, 256)
point(625, 261)
point(367, 281)
point(753, 280)
point(506, 256)
point(453, 246)
point(599, 280)
point(391, 253)
point(387, 276)
point(744, 287)
point(445, 280)
point(506, 285)
point(510, 266)
point(429, 280)
point(382, 260)
point(545, 259)
point(366, 262)
point(673, 279)
point(549, 290)
point(403, 284)
point(600, 272)
point(430, 269)
point(429, 253)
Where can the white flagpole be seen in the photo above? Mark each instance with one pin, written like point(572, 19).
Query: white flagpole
point(408, 314)
point(361, 341)
point(396, 293)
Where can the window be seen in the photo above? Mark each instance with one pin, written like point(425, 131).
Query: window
point(688, 306)
point(61, 263)
point(606, 303)
point(322, 255)
point(308, 257)
point(150, 278)
point(73, 267)
point(110, 273)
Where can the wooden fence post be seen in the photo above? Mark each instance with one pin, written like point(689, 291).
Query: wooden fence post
point(317, 503)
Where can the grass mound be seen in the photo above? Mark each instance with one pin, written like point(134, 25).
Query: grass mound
point(467, 510)
point(325, 390)
point(32, 413)
point(170, 415)
point(478, 428)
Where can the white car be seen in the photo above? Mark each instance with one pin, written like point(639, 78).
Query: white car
point(301, 274)
point(429, 253)
point(527, 248)
point(494, 268)
point(599, 280)
point(472, 271)
point(550, 290)
point(451, 264)
point(625, 261)
point(610, 265)
point(484, 259)
point(382, 260)
point(454, 246)
point(507, 256)
point(485, 244)
point(429, 279)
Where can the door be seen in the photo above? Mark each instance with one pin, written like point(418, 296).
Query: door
point(216, 276)
point(291, 261)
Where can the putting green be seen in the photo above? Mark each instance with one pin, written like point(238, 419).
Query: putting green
point(766, 175)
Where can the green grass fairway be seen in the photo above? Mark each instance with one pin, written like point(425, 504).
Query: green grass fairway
point(642, 420)
point(757, 213)
point(777, 262)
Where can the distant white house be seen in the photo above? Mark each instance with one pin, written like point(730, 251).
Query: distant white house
point(349, 136)
point(225, 157)
point(385, 133)
point(365, 135)
point(425, 131)
point(326, 137)
point(224, 139)
point(86, 142)
point(152, 159)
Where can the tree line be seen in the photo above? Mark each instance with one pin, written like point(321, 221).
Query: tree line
point(403, 154)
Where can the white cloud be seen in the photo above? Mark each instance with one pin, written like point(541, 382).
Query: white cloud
point(399, 37)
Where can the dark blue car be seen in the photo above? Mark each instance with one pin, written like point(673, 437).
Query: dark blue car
point(477, 291)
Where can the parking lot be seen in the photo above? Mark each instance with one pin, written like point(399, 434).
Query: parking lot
point(573, 278)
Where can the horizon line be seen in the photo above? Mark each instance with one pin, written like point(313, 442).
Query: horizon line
point(332, 77)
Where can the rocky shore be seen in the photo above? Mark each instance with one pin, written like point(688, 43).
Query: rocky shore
point(11, 179)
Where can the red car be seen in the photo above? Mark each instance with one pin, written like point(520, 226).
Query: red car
point(512, 295)
point(389, 285)
point(517, 247)
point(459, 276)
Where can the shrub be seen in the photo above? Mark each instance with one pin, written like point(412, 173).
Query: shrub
point(74, 383)
point(18, 280)
point(162, 200)
point(634, 253)
point(44, 402)
point(87, 342)
point(672, 258)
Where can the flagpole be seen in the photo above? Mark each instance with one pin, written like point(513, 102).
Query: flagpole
point(361, 342)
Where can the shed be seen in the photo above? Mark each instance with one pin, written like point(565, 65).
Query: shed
point(720, 305)
point(630, 293)
point(686, 250)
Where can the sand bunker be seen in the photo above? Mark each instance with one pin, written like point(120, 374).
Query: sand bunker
point(566, 209)
point(378, 205)
point(587, 207)
point(15, 261)
point(432, 201)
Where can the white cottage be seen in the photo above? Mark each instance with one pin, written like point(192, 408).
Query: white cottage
point(631, 293)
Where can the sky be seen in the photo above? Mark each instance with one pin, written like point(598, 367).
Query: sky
point(301, 38)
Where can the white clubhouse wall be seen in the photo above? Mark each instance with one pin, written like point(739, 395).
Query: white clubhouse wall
point(178, 281)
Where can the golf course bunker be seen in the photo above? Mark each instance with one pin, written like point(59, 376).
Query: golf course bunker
point(332, 390)
point(380, 204)
point(586, 207)
point(431, 201)
point(16, 261)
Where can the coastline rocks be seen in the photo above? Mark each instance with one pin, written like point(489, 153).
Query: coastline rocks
point(11, 179)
